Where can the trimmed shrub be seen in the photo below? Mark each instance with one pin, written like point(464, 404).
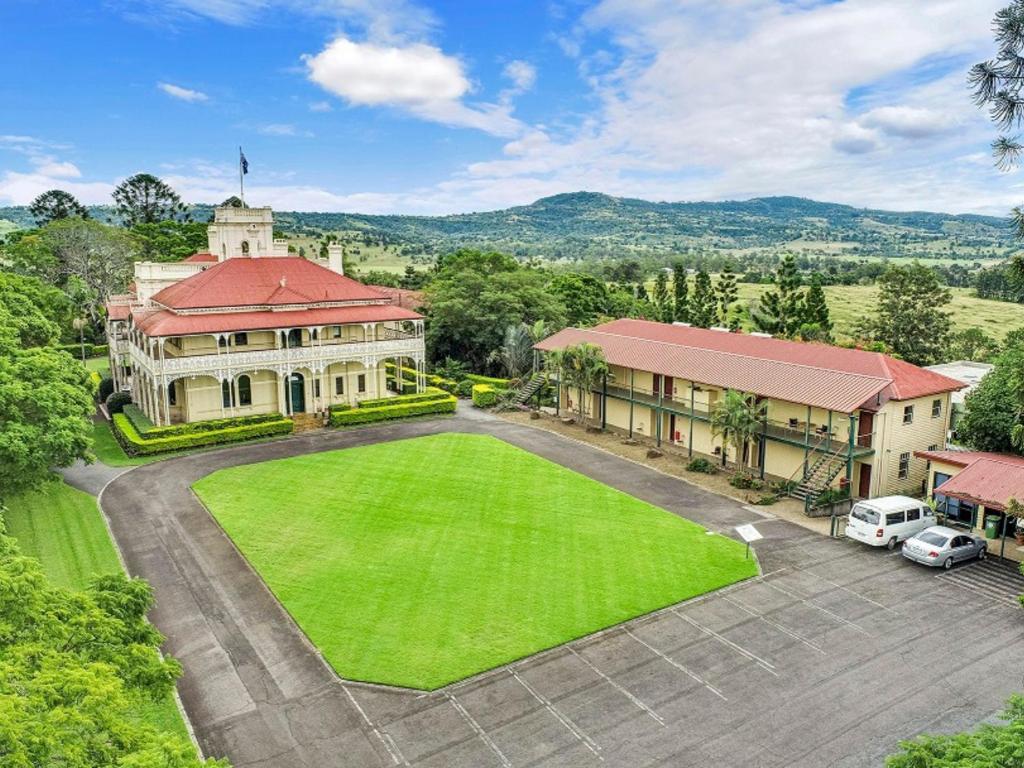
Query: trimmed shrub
point(138, 419)
point(464, 388)
point(361, 415)
point(105, 388)
point(702, 465)
point(116, 401)
point(494, 382)
point(135, 444)
point(210, 425)
point(422, 397)
point(100, 350)
point(484, 396)
point(746, 481)
point(95, 380)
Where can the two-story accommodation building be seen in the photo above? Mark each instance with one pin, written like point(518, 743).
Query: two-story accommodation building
point(247, 329)
point(834, 416)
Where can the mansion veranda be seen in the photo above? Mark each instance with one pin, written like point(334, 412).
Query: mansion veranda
point(289, 370)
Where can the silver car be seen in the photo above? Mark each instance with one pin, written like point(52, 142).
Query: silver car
point(942, 546)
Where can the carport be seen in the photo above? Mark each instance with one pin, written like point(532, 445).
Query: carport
point(993, 485)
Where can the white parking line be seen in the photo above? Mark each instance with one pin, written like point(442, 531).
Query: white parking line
point(385, 738)
point(857, 594)
point(479, 730)
point(569, 724)
point(776, 625)
point(826, 611)
point(679, 666)
point(767, 666)
point(658, 718)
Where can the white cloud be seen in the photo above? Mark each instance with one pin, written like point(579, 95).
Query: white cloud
point(416, 78)
point(854, 139)
point(184, 94)
point(58, 169)
point(522, 74)
point(320, 106)
point(908, 122)
point(22, 188)
point(278, 129)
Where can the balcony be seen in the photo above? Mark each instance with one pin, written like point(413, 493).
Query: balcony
point(232, 361)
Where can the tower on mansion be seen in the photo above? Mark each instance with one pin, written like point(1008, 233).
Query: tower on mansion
point(246, 328)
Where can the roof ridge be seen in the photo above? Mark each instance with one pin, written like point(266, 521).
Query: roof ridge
point(888, 380)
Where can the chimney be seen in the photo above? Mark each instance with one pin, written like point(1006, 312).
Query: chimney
point(334, 261)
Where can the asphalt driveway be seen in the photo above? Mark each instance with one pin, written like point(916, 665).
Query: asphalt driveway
point(830, 658)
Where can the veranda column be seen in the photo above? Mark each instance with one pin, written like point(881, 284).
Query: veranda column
point(282, 405)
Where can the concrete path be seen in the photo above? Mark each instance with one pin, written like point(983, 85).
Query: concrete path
point(829, 659)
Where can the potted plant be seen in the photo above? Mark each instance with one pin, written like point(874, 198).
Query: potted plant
point(1016, 509)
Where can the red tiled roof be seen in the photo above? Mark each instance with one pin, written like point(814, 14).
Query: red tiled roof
point(966, 458)
point(199, 258)
point(988, 481)
point(812, 374)
point(162, 322)
point(118, 311)
point(403, 297)
point(264, 282)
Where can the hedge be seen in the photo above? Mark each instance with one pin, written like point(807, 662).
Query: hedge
point(423, 397)
point(91, 350)
point(484, 396)
point(95, 379)
point(138, 419)
point(353, 416)
point(210, 425)
point(136, 445)
point(409, 374)
point(494, 382)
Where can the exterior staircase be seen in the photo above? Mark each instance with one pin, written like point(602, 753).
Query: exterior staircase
point(819, 476)
point(306, 422)
point(529, 388)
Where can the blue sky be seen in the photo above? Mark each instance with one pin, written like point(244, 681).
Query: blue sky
point(416, 107)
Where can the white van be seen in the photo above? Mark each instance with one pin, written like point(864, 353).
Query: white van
point(888, 520)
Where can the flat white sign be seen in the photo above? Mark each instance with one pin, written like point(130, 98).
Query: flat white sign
point(748, 533)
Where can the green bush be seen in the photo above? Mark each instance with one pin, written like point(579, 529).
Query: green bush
point(95, 380)
point(831, 496)
point(211, 425)
point(105, 388)
point(100, 350)
point(135, 444)
point(138, 419)
point(766, 500)
point(702, 465)
point(464, 388)
point(422, 397)
point(496, 383)
point(116, 401)
point(352, 416)
point(746, 481)
point(484, 396)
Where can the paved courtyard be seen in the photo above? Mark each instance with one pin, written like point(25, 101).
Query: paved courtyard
point(828, 659)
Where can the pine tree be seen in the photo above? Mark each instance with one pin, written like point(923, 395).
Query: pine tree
point(661, 300)
point(816, 319)
point(702, 305)
point(681, 293)
point(781, 310)
point(726, 294)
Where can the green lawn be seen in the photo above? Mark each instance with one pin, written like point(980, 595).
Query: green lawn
point(110, 452)
point(63, 528)
point(421, 562)
point(99, 364)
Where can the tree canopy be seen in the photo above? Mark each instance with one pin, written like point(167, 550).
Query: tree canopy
point(994, 411)
point(54, 205)
point(146, 199)
point(912, 320)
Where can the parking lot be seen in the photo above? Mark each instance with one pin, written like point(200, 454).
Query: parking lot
point(830, 658)
point(825, 663)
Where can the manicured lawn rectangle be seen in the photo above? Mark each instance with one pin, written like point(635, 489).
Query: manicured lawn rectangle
point(63, 528)
point(421, 562)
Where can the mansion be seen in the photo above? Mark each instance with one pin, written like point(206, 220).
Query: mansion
point(247, 329)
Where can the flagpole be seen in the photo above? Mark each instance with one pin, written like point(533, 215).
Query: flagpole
point(241, 178)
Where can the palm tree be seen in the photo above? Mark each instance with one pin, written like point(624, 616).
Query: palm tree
point(515, 355)
point(737, 418)
point(583, 367)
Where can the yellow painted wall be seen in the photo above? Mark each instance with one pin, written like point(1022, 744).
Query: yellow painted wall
point(896, 437)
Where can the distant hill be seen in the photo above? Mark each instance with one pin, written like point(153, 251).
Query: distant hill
point(588, 224)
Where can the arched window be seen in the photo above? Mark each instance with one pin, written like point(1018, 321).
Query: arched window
point(294, 338)
point(225, 393)
point(245, 247)
point(222, 341)
point(244, 390)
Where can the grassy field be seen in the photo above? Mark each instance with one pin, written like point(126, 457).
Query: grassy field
point(63, 528)
point(421, 562)
point(110, 452)
point(849, 303)
point(99, 364)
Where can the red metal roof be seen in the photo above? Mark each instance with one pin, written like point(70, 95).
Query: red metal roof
point(264, 282)
point(966, 458)
point(403, 297)
point(162, 322)
point(118, 311)
point(811, 374)
point(200, 258)
point(988, 481)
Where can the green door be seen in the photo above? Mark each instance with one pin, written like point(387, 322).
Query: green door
point(297, 393)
